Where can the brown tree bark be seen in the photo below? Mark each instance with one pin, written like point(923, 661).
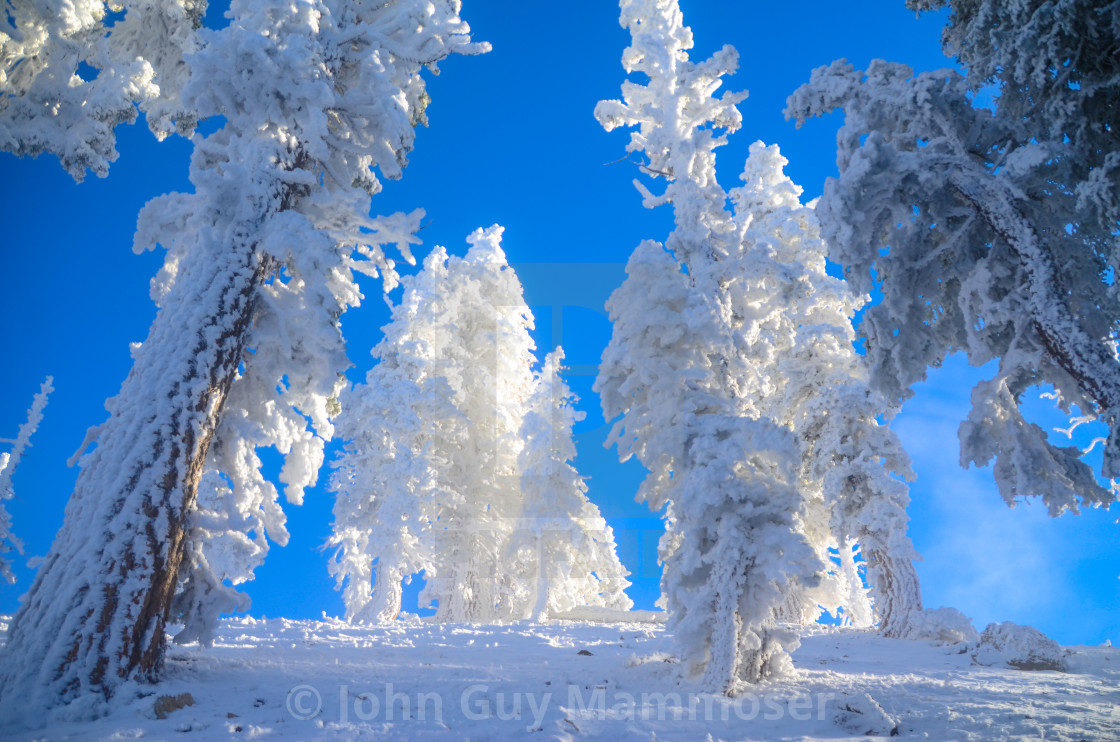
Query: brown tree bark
point(96, 614)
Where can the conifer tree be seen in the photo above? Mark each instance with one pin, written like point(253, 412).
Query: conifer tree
point(796, 332)
point(312, 96)
point(439, 418)
point(457, 462)
point(561, 546)
point(732, 373)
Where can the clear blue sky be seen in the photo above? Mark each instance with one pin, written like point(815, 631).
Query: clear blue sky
point(512, 140)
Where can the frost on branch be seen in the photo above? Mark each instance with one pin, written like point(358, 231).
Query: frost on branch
point(9, 460)
point(70, 72)
point(990, 231)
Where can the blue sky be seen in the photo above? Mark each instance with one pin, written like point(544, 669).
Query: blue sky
point(512, 140)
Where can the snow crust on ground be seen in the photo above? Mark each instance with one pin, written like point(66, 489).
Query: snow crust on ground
point(278, 679)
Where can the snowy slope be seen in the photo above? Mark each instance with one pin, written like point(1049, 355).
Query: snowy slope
point(308, 680)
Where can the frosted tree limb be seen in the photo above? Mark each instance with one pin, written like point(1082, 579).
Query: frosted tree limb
point(8, 462)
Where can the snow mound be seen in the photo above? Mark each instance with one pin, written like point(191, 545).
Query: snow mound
point(942, 625)
point(601, 614)
point(1021, 647)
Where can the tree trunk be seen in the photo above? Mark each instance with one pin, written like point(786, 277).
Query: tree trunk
point(96, 613)
point(387, 592)
point(895, 589)
point(726, 628)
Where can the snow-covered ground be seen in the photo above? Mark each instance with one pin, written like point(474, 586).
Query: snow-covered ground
point(277, 679)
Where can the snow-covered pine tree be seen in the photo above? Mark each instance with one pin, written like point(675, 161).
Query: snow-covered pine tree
point(727, 474)
point(562, 548)
point(488, 365)
point(9, 460)
point(403, 429)
point(454, 376)
point(794, 325)
point(737, 385)
point(458, 461)
point(313, 95)
point(729, 481)
point(990, 230)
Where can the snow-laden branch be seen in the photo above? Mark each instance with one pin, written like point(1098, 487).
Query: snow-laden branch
point(8, 463)
point(1091, 361)
point(49, 101)
point(975, 224)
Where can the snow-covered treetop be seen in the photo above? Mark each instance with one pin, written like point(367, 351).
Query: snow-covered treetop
point(338, 82)
point(337, 95)
point(143, 54)
point(675, 112)
point(766, 188)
